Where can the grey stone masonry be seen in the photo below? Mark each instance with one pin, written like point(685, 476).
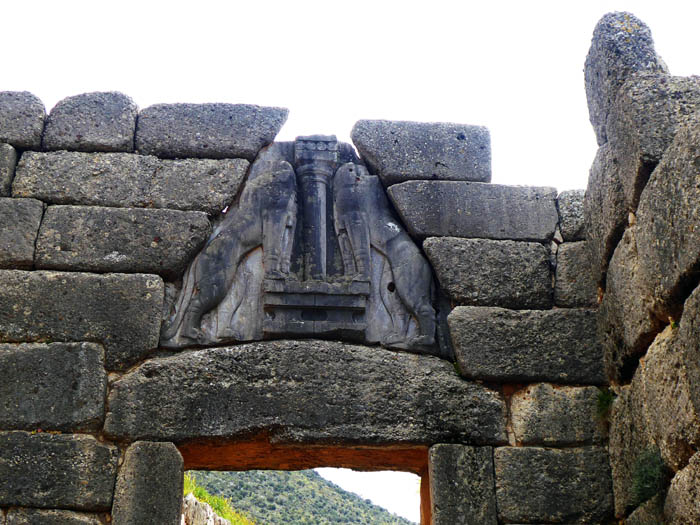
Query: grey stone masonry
point(8, 161)
point(128, 180)
point(462, 485)
point(304, 392)
point(149, 485)
point(50, 517)
point(207, 130)
point(496, 344)
point(22, 118)
point(681, 506)
point(56, 470)
point(92, 238)
point(121, 311)
point(574, 284)
point(400, 151)
point(570, 207)
point(537, 485)
point(103, 121)
point(56, 386)
point(19, 225)
point(483, 272)
point(556, 416)
point(476, 210)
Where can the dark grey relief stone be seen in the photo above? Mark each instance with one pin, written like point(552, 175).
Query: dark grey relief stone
point(128, 180)
point(57, 386)
point(304, 392)
point(56, 470)
point(476, 210)
point(21, 119)
point(621, 46)
point(8, 161)
point(92, 238)
point(149, 485)
point(19, 225)
point(399, 151)
point(101, 121)
point(50, 517)
point(207, 130)
point(496, 344)
point(556, 416)
point(570, 207)
point(121, 311)
point(482, 272)
point(553, 486)
point(574, 284)
point(462, 485)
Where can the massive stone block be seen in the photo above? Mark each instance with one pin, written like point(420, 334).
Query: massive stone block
point(121, 311)
point(304, 392)
point(502, 345)
point(621, 46)
point(56, 470)
point(58, 386)
point(462, 485)
point(470, 209)
point(401, 151)
point(570, 207)
point(82, 238)
point(682, 504)
point(574, 284)
point(19, 224)
point(50, 517)
point(126, 180)
point(103, 121)
point(21, 119)
point(149, 485)
point(553, 486)
point(483, 272)
point(207, 130)
point(8, 161)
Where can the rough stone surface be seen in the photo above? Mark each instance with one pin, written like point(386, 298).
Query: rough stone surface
point(22, 118)
point(401, 151)
point(570, 207)
point(207, 130)
point(502, 345)
point(50, 517)
point(8, 161)
point(682, 506)
point(91, 238)
point(471, 209)
point(149, 485)
point(19, 224)
point(304, 392)
point(483, 272)
point(553, 486)
point(56, 470)
point(102, 121)
point(462, 485)
point(556, 416)
point(648, 513)
point(574, 284)
point(120, 311)
point(621, 46)
point(197, 512)
point(57, 386)
point(127, 180)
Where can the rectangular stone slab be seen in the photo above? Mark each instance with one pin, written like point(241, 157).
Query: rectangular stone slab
point(570, 207)
point(8, 161)
point(19, 225)
point(50, 517)
point(22, 117)
point(574, 284)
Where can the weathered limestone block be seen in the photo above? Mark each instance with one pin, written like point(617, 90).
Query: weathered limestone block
point(574, 284)
point(553, 486)
point(556, 416)
point(127, 180)
point(91, 238)
point(502, 345)
point(470, 209)
point(21, 119)
point(304, 392)
point(682, 506)
point(57, 386)
point(8, 161)
point(399, 151)
point(621, 46)
point(149, 485)
point(123, 312)
point(648, 513)
point(462, 485)
point(19, 225)
point(197, 512)
point(50, 517)
point(207, 130)
point(483, 272)
point(56, 470)
point(102, 121)
point(570, 207)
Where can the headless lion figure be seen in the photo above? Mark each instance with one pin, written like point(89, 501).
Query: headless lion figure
point(363, 219)
point(265, 215)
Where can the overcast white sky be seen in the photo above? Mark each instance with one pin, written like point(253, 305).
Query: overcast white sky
point(515, 67)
